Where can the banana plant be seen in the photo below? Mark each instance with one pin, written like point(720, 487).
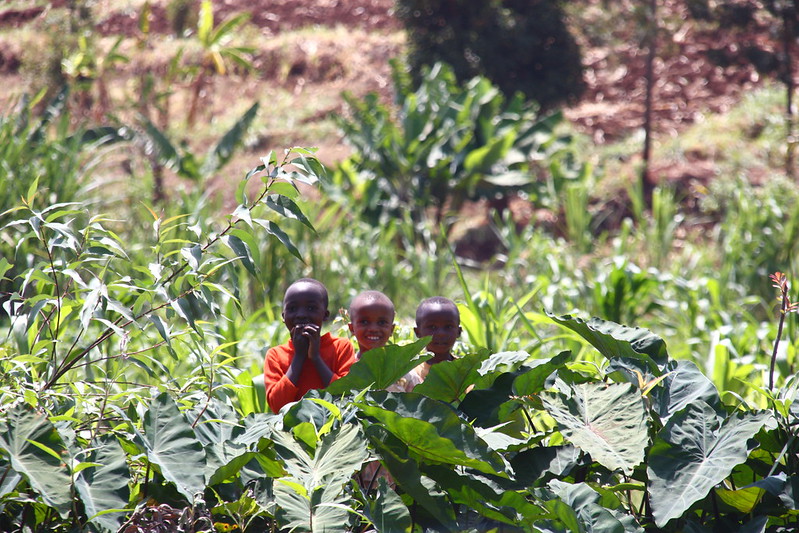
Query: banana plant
point(217, 52)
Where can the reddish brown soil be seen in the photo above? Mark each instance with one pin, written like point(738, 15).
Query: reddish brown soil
point(688, 83)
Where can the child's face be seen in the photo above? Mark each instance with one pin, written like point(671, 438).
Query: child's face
point(372, 324)
point(441, 322)
point(304, 303)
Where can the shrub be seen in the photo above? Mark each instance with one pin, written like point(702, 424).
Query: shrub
point(446, 144)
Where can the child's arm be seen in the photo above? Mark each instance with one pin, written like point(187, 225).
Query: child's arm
point(313, 334)
point(280, 390)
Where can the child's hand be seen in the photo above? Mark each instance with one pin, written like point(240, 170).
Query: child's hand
point(312, 333)
point(300, 340)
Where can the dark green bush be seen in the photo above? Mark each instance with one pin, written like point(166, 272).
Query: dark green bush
point(520, 45)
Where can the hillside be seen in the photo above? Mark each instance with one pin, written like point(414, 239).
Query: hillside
point(307, 52)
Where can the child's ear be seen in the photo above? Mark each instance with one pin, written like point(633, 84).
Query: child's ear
point(327, 315)
point(352, 330)
point(416, 332)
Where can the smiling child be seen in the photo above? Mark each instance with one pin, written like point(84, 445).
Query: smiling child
point(309, 360)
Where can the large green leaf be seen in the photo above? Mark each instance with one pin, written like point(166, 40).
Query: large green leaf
point(488, 407)
point(311, 497)
point(340, 453)
point(536, 373)
point(617, 341)
point(432, 430)
point(683, 385)
point(593, 516)
point(607, 421)
point(449, 381)
point(104, 489)
point(405, 471)
point(27, 439)
point(695, 451)
point(486, 498)
point(170, 444)
point(539, 464)
point(386, 511)
point(380, 367)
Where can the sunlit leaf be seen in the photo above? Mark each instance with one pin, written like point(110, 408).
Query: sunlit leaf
point(696, 450)
point(607, 421)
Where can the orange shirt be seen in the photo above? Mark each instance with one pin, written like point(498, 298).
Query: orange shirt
point(336, 352)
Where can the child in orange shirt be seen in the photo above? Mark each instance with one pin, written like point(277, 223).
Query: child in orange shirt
point(372, 323)
point(309, 360)
point(439, 318)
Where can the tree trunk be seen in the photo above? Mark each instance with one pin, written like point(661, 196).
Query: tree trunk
point(787, 33)
point(651, 37)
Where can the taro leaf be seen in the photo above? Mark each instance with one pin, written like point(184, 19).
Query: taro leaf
point(505, 361)
point(215, 422)
point(492, 502)
point(339, 455)
point(8, 478)
point(618, 341)
point(217, 428)
point(608, 422)
point(744, 499)
point(380, 367)
point(593, 516)
point(104, 488)
point(542, 463)
point(448, 381)
point(48, 476)
point(684, 385)
point(432, 430)
point(317, 512)
point(533, 380)
point(169, 442)
point(386, 511)
point(494, 405)
point(694, 452)
point(311, 496)
point(258, 426)
point(309, 410)
point(405, 471)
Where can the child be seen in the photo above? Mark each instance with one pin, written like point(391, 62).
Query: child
point(439, 318)
point(372, 323)
point(309, 360)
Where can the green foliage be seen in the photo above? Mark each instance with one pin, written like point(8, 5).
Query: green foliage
point(521, 46)
point(448, 143)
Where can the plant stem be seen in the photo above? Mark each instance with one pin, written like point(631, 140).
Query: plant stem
point(783, 310)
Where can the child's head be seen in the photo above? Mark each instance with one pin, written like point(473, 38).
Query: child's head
point(371, 319)
point(439, 318)
point(305, 302)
